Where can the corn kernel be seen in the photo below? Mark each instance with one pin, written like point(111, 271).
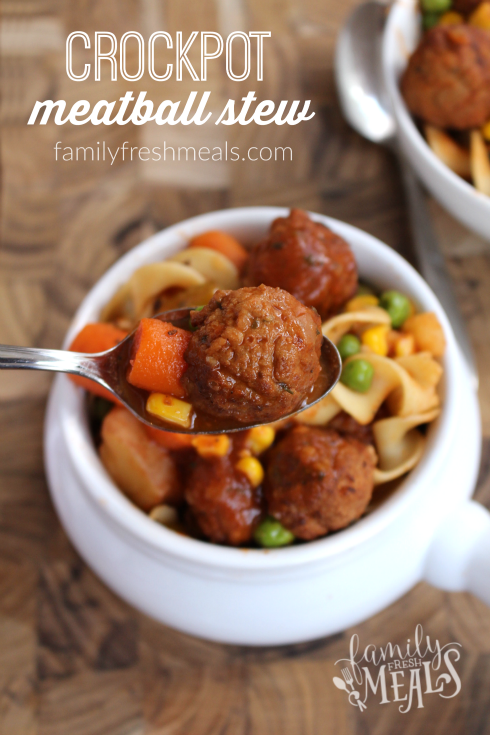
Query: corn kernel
point(376, 338)
point(260, 438)
point(485, 131)
point(212, 446)
point(451, 18)
point(480, 17)
point(358, 303)
point(251, 467)
point(168, 408)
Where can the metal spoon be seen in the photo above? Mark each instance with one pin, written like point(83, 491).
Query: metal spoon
point(366, 106)
point(108, 369)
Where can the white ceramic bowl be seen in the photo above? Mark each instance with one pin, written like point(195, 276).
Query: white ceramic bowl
point(261, 597)
point(461, 199)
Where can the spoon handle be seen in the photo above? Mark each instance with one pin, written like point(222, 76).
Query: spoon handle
point(60, 361)
point(433, 266)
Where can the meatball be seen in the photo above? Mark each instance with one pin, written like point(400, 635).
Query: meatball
point(223, 503)
point(447, 80)
point(306, 259)
point(318, 481)
point(255, 355)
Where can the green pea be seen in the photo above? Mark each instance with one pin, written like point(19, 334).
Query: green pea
point(397, 305)
point(349, 345)
point(358, 375)
point(272, 534)
point(435, 6)
point(430, 20)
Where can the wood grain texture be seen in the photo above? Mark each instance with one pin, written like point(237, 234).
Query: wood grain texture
point(75, 659)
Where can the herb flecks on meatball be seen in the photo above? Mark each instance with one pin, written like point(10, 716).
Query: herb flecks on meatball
point(318, 481)
point(255, 355)
point(306, 259)
point(447, 80)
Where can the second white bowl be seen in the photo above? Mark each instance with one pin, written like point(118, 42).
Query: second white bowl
point(461, 199)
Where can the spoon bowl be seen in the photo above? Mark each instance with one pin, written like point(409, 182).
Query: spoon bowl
point(109, 369)
point(362, 94)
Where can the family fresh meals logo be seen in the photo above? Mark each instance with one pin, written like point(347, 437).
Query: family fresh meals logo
point(401, 674)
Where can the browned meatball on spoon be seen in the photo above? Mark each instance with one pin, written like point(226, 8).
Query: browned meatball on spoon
point(255, 355)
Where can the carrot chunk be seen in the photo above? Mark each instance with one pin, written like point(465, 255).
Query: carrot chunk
point(157, 361)
point(92, 339)
point(427, 333)
point(97, 337)
point(224, 244)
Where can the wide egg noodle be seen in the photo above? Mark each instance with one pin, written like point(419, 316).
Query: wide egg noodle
point(408, 383)
point(321, 413)
point(413, 445)
point(119, 306)
point(391, 382)
point(399, 445)
point(480, 163)
point(364, 406)
point(214, 266)
point(419, 377)
point(146, 283)
point(335, 328)
point(448, 151)
point(422, 367)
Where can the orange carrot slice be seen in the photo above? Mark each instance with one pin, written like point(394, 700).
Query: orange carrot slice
point(96, 338)
point(224, 244)
point(157, 361)
point(168, 439)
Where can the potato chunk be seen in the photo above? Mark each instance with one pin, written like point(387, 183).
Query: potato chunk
point(143, 470)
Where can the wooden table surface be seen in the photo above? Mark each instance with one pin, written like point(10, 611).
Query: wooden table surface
point(74, 659)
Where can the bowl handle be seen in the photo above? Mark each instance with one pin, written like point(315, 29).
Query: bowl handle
point(459, 554)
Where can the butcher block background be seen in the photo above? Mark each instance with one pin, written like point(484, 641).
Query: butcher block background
point(74, 659)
